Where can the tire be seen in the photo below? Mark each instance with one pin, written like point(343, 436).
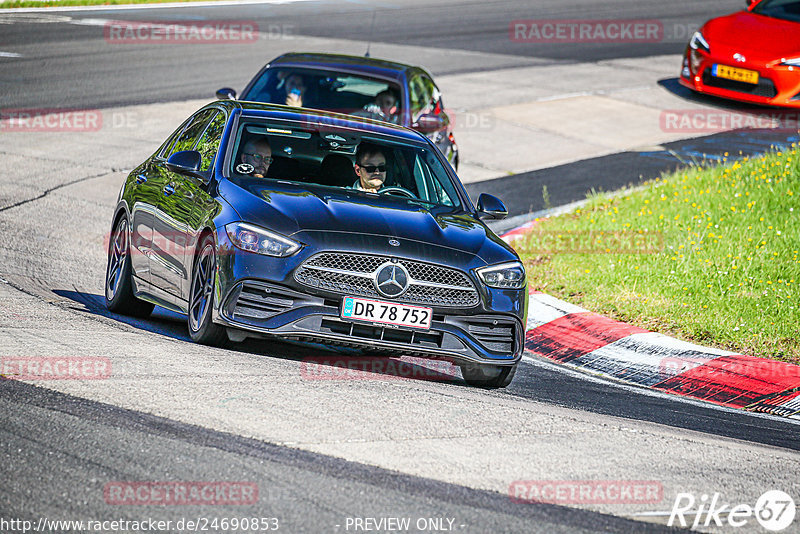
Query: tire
point(488, 376)
point(201, 296)
point(119, 295)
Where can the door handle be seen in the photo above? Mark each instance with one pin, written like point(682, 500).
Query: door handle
point(169, 189)
point(141, 179)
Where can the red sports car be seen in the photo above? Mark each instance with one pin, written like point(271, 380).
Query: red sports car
point(751, 56)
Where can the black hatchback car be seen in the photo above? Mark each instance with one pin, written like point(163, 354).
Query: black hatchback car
point(362, 86)
point(260, 220)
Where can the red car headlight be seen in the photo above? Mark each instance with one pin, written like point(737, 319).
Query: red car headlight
point(695, 58)
point(697, 45)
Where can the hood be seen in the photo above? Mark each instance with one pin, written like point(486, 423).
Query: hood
point(327, 218)
point(756, 36)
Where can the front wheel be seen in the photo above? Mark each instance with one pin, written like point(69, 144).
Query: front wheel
point(488, 376)
point(201, 296)
point(119, 295)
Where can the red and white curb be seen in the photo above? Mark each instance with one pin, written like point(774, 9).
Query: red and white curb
point(578, 338)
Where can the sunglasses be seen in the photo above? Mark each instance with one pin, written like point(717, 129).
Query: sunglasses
point(372, 168)
point(259, 157)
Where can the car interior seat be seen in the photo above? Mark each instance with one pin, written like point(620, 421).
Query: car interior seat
point(336, 170)
point(283, 167)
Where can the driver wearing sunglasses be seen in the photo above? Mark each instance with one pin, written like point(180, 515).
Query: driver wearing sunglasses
point(370, 168)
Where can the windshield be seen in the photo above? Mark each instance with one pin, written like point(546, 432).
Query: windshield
point(338, 158)
point(328, 90)
point(779, 9)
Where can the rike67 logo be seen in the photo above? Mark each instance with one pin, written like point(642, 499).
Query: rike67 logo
point(774, 510)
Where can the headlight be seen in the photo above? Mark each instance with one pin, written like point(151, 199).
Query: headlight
point(254, 239)
point(791, 62)
point(698, 42)
point(504, 276)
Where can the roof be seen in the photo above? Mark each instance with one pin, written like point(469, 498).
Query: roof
point(362, 64)
point(314, 116)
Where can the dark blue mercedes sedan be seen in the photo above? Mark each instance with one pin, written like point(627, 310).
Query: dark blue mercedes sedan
point(260, 220)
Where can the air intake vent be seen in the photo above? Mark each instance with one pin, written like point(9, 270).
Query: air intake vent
point(258, 302)
point(764, 87)
point(427, 339)
point(495, 337)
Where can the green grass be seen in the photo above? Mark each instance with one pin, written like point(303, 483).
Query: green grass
point(51, 3)
point(709, 255)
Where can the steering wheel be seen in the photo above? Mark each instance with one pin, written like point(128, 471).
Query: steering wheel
point(396, 190)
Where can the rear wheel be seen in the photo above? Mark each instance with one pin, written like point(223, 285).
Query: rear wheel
point(119, 287)
point(201, 296)
point(488, 376)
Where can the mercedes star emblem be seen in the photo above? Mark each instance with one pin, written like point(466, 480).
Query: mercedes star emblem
point(391, 280)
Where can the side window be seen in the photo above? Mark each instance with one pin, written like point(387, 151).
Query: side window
point(433, 94)
point(428, 186)
point(166, 148)
point(189, 136)
point(420, 96)
point(437, 106)
point(208, 143)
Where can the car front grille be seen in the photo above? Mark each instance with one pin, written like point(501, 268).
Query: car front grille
point(764, 88)
point(354, 275)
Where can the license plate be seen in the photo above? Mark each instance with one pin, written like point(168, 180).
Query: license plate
point(377, 311)
point(732, 73)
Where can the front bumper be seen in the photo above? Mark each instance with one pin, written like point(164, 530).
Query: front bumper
point(777, 86)
point(258, 296)
point(255, 308)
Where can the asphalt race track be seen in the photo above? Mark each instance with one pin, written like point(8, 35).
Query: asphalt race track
point(66, 61)
point(340, 455)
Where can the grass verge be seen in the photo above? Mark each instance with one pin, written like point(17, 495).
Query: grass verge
point(709, 255)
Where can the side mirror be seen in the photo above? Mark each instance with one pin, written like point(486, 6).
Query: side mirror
point(226, 93)
point(491, 207)
point(187, 162)
point(750, 3)
point(429, 123)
